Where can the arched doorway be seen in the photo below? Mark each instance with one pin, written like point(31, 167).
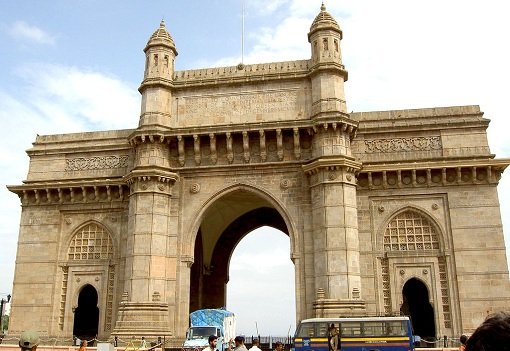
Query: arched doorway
point(86, 315)
point(225, 222)
point(416, 305)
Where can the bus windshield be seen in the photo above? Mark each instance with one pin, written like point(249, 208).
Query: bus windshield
point(352, 334)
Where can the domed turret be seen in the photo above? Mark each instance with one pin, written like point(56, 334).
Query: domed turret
point(156, 88)
point(324, 21)
point(325, 35)
point(160, 53)
point(327, 72)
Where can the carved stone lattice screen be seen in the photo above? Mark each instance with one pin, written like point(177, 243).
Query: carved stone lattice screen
point(411, 231)
point(92, 242)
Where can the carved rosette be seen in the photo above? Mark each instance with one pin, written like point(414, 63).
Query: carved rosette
point(194, 188)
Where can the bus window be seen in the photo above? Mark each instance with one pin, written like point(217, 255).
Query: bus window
point(350, 329)
point(322, 330)
point(306, 330)
point(397, 328)
point(373, 328)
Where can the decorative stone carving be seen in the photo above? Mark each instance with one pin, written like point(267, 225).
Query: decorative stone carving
point(267, 102)
point(98, 162)
point(403, 144)
point(194, 188)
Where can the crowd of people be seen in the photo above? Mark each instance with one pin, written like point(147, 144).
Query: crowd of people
point(238, 344)
point(492, 335)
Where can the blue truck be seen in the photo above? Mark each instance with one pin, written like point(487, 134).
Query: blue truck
point(206, 322)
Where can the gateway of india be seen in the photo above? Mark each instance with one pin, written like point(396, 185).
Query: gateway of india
point(124, 232)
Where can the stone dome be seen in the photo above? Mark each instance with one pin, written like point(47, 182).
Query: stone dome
point(161, 37)
point(324, 21)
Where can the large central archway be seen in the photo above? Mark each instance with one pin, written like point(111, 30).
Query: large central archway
point(224, 223)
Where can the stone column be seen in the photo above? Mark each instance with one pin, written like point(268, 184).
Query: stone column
point(150, 260)
point(335, 238)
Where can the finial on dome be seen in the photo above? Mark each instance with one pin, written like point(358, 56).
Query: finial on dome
point(162, 24)
point(323, 8)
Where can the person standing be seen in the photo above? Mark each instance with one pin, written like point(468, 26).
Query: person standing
point(29, 340)
point(255, 345)
point(213, 341)
point(239, 344)
point(83, 346)
point(278, 346)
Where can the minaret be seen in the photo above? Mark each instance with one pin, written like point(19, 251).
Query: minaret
point(328, 74)
point(149, 299)
point(332, 176)
point(156, 88)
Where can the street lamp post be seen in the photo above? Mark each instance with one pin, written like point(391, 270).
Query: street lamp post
point(2, 303)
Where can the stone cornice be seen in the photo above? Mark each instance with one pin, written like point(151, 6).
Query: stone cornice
point(430, 174)
point(151, 173)
point(329, 66)
point(332, 163)
point(441, 118)
point(155, 82)
point(158, 133)
point(70, 191)
point(241, 74)
point(496, 164)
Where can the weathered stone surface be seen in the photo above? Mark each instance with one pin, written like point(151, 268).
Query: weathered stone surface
point(372, 201)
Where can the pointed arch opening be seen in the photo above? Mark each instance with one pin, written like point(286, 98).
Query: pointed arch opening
point(224, 223)
point(86, 314)
point(416, 304)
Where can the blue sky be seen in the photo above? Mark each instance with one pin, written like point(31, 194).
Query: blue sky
point(69, 66)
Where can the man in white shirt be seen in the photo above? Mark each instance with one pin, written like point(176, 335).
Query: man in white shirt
point(239, 344)
point(255, 345)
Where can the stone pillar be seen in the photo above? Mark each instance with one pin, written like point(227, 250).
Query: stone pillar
point(150, 261)
point(183, 297)
point(335, 237)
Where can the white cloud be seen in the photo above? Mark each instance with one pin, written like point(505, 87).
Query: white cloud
point(23, 31)
point(55, 99)
point(264, 7)
point(77, 99)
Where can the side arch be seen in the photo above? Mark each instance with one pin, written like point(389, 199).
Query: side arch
point(89, 258)
point(413, 247)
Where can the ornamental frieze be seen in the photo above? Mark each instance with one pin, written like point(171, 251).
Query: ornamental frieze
point(403, 144)
point(97, 162)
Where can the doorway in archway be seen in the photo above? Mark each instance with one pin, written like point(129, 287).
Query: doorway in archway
point(416, 305)
point(86, 315)
point(261, 287)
